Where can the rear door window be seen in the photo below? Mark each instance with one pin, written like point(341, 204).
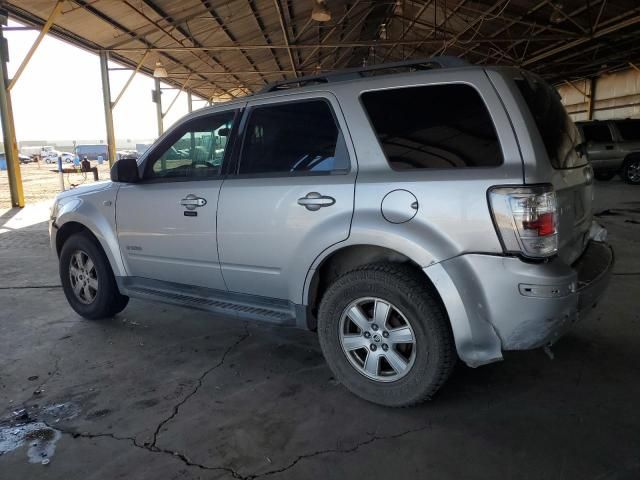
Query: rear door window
point(559, 134)
point(598, 133)
point(436, 126)
point(629, 130)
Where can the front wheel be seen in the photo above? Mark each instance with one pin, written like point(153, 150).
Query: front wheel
point(631, 170)
point(87, 279)
point(385, 335)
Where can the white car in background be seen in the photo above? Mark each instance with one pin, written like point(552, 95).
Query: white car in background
point(52, 157)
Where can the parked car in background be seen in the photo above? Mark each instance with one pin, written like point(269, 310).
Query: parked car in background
point(410, 219)
point(31, 151)
point(52, 157)
point(613, 147)
point(24, 159)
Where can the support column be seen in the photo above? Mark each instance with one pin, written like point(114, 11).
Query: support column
point(592, 98)
point(158, 99)
point(189, 101)
point(108, 113)
point(8, 129)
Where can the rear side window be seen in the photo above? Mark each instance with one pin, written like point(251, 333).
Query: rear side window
point(596, 133)
point(629, 130)
point(293, 138)
point(558, 132)
point(438, 126)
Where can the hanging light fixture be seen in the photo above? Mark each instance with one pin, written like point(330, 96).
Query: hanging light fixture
point(160, 71)
point(321, 12)
point(397, 8)
point(383, 31)
point(556, 14)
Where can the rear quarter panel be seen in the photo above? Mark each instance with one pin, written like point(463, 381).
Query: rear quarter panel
point(453, 215)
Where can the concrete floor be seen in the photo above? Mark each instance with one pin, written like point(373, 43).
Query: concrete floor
point(164, 392)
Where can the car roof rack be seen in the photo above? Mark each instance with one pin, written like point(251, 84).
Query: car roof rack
point(354, 73)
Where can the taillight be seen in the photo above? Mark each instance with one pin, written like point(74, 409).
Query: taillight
point(526, 219)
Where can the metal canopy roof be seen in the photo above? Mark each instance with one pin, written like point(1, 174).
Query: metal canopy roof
point(227, 48)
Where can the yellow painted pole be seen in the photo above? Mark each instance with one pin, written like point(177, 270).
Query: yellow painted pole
point(45, 29)
point(9, 131)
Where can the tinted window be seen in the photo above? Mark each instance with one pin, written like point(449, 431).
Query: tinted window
point(596, 133)
point(440, 126)
point(195, 150)
point(629, 129)
point(558, 132)
point(293, 138)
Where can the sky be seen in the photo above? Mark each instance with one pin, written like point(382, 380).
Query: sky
point(59, 95)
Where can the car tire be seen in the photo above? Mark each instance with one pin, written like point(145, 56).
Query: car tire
point(87, 279)
point(410, 302)
point(631, 170)
point(604, 176)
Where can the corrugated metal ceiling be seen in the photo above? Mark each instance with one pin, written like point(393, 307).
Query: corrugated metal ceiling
point(232, 47)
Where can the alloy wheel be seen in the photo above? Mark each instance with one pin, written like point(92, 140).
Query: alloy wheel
point(83, 276)
point(377, 339)
point(633, 171)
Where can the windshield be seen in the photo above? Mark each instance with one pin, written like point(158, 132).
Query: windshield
point(559, 134)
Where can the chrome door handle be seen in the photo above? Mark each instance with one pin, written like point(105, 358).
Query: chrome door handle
point(314, 201)
point(191, 202)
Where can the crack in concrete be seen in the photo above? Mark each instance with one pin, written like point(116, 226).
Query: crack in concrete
point(356, 447)
point(153, 448)
point(54, 372)
point(149, 448)
point(190, 463)
point(199, 382)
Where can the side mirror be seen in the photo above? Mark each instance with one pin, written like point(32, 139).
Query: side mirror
point(224, 132)
point(125, 170)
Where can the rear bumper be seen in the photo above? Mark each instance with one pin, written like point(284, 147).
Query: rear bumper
point(525, 305)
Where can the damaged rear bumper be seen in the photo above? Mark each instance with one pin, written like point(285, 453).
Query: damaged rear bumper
point(525, 305)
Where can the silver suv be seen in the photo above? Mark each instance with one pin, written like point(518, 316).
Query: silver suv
point(409, 218)
point(613, 147)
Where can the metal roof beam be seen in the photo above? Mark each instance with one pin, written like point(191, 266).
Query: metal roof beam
point(267, 38)
point(409, 27)
point(615, 24)
point(45, 29)
point(228, 33)
point(122, 28)
point(285, 35)
point(183, 32)
point(330, 32)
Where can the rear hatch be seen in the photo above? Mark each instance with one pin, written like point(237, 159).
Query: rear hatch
point(572, 177)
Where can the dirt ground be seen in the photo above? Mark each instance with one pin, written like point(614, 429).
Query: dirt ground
point(40, 182)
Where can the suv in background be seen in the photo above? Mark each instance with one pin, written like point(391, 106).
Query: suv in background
point(613, 147)
point(410, 219)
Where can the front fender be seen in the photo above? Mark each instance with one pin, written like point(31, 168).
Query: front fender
point(95, 210)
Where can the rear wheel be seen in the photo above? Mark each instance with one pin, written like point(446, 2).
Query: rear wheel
point(385, 336)
point(631, 170)
point(87, 279)
point(604, 176)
